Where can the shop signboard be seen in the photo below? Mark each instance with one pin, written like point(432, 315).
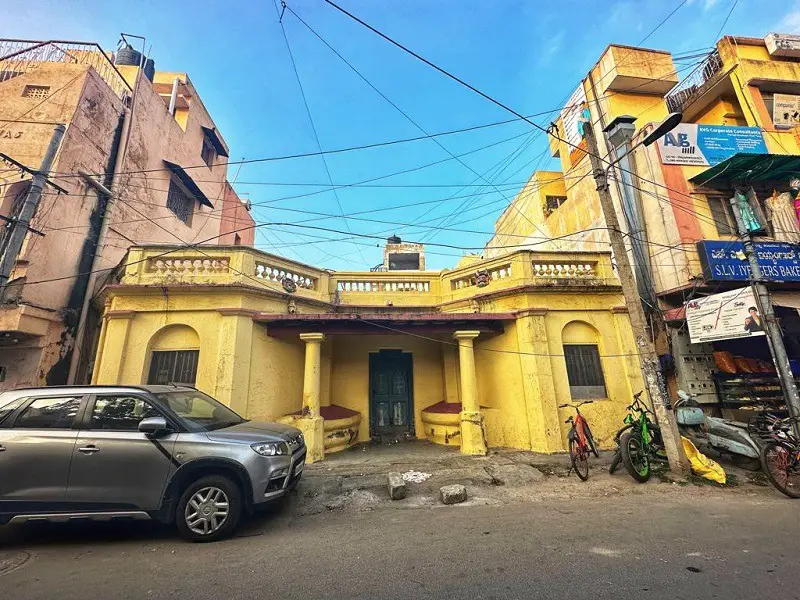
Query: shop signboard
point(724, 316)
point(708, 145)
point(785, 111)
point(726, 261)
point(571, 117)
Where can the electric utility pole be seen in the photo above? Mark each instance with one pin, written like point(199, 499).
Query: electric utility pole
point(20, 226)
point(767, 312)
point(651, 371)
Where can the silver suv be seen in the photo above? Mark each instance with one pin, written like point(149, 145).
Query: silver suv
point(139, 452)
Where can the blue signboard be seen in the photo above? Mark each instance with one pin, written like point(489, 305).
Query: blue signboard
point(725, 261)
point(708, 145)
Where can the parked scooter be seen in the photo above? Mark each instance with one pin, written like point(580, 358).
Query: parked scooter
point(721, 435)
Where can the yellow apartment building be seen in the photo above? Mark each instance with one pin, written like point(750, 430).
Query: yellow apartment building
point(739, 138)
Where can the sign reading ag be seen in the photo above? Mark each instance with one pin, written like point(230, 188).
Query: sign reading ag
point(708, 145)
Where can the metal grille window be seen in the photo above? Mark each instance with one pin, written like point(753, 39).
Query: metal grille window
point(179, 202)
point(36, 91)
point(177, 366)
point(584, 371)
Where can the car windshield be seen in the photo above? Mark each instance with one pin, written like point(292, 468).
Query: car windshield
point(198, 411)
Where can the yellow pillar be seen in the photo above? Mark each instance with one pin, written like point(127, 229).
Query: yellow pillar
point(111, 352)
point(311, 422)
point(473, 440)
point(544, 426)
point(232, 386)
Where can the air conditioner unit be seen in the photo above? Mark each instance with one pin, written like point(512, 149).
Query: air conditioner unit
point(783, 45)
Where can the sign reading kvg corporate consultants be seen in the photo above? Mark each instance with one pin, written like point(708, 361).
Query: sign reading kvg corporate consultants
point(725, 316)
point(708, 145)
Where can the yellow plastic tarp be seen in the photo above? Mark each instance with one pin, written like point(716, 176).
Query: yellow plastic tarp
point(701, 464)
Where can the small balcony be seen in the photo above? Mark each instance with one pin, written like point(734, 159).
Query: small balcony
point(702, 79)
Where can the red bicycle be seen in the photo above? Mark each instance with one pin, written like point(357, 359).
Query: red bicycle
point(581, 441)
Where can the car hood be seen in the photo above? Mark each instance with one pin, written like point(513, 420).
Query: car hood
point(251, 432)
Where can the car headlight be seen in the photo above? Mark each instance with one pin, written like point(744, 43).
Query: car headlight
point(271, 449)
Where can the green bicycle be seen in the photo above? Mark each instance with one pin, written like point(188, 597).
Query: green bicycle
point(639, 442)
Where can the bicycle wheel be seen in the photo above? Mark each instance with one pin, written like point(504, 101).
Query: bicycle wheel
point(634, 456)
point(780, 467)
point(579, 458)
point(612, 468)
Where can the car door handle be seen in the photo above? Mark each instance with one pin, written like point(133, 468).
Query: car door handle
point(89, 449)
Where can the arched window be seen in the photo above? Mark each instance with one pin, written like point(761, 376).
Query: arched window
point(582, 355)
point(174, 353)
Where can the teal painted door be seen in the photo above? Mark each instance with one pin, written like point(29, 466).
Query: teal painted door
point(391, 405)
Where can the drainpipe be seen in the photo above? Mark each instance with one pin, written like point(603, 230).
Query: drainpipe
point(174, 97)
point(106, 192)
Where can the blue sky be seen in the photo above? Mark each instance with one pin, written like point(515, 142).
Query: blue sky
point(529, 54)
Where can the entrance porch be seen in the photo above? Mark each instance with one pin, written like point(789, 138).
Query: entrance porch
point(388, 377)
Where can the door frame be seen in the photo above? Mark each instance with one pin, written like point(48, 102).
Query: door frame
point(408, 357)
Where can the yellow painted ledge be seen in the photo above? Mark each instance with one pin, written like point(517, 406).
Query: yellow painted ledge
point(442, 423)
point(339, 424)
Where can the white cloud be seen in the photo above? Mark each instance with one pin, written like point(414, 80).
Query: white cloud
point(791, 21)
point(709, 4)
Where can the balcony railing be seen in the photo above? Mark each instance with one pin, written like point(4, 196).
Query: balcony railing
point(23, 56)
point(695, 83)
point(235, 265)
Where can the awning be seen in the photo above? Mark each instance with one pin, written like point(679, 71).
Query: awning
point(215, 140)
point(750, 167)
point(282, 324)
point(195, 191)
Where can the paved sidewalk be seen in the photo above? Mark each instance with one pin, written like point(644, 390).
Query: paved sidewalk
point(356, 479)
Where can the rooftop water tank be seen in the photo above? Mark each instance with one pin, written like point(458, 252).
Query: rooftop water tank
point(149, 68)
point(128, 56)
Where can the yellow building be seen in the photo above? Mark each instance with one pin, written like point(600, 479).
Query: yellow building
point(740, 131)
point(480, 355)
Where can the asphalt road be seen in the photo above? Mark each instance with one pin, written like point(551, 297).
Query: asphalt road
point(722, 545)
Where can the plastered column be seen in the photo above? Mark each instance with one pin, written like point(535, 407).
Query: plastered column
point(111, 349)
point(473, 440)
point(311, 422)
point(544, 427)
point(233, 363)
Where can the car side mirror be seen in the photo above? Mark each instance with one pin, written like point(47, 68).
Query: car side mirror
point(153, 425)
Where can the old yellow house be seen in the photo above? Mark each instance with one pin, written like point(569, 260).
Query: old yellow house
point(480, 355)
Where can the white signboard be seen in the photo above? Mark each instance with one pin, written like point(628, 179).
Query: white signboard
point(724, 316)
point(785, 111)
point(571, 116)
point(708, 145)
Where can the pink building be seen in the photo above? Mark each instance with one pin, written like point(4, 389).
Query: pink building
point(144, 135)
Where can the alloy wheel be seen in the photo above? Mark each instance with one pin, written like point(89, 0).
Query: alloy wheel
point(207, 510)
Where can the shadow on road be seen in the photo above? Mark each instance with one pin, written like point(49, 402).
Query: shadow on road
point(31, 535)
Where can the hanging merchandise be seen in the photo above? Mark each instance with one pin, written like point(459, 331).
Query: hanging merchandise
point(781, 213)
point(747, 213)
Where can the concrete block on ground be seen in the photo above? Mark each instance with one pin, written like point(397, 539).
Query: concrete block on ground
point(396, 486)
point(452, 494)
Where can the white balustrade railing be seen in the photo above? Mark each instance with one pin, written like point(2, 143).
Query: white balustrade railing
point(482, 277)
point(564, 270)
point(279, 274)
point(383, 286)
point(200, 265)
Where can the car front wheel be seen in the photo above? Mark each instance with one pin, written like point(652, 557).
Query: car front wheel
point(209, 509)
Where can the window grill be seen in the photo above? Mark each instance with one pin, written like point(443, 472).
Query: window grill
point(179, 202)
point(584, 371)
point(36, 91)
